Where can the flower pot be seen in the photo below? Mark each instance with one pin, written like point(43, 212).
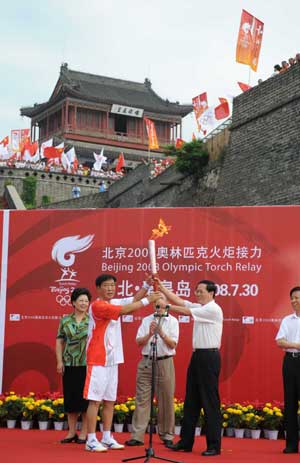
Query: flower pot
point(229, 432)
point(255, 433)
point(43, 425)
point(11, 424)
point(266, 433)
point(177, 430)
point(239, 433)
point(26, 425)
point(247, 433)
point(129, 427)
point(58, 425)
point(197, 431)
point(273, 434)
point(118, 427)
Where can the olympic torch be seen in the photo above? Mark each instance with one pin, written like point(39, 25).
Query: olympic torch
point(152, 256)
point(161, 230)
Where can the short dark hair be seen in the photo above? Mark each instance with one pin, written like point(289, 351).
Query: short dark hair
point(77, 292)
point(105, 277)
point(210, 286)
point(293, 290)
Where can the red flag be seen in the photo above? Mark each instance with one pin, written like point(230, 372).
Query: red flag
point(249, 40)
point(244, 87)
point(120, 163)
point(5, 141)
point(179, 143)
point(222, 111)
point(33, 148)
point(51, 152)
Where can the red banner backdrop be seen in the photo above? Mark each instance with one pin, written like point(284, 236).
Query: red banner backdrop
point(251, 253)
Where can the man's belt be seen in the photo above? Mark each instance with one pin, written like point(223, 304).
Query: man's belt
point(212, 349)
point(295, 355)
point(164, 357)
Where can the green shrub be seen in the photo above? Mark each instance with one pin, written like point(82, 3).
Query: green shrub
point(45, 200)
point(29, 191)
point(190, 158)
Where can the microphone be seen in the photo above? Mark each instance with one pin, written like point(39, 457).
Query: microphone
point(156, 314)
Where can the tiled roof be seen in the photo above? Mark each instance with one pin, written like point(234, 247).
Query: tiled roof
point(108, 90)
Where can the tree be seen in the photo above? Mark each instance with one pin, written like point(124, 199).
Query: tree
point(190, 157)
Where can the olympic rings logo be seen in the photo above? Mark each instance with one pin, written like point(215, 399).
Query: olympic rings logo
point(63, 300)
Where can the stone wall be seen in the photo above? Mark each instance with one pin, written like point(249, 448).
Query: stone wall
point(262, 165)
point(58, 187)
point(170, 189)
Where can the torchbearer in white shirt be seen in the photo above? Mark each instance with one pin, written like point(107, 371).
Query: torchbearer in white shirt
point(202, 383)
point(288, 339)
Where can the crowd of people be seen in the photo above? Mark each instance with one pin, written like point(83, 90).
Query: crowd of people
point(285, 65)
point(82, 170)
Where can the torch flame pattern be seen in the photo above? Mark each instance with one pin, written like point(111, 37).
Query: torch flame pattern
point(161, 230)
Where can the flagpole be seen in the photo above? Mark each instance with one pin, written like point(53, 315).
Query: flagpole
point(249, 76)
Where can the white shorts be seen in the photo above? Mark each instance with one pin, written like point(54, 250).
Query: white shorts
point(101, 383)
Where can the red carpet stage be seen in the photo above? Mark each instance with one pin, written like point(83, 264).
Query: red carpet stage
point(43, 446)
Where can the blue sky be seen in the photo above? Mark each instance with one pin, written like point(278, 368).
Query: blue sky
point(184, 47)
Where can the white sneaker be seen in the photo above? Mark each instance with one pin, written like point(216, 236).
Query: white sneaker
point(113, 444)
point(95, 446)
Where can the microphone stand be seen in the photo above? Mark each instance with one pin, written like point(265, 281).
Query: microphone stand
point(149, 452)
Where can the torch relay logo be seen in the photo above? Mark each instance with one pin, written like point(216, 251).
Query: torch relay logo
point(64, 253)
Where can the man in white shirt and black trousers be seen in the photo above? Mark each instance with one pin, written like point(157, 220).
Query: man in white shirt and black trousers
point(288, 339)
point(202, 383)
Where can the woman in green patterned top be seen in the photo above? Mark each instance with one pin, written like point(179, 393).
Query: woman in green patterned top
point(71, 362)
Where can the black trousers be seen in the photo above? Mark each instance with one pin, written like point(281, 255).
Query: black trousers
point(291, 384)
point(202, 391)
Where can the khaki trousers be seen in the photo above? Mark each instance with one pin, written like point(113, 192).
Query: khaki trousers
point(164, 385)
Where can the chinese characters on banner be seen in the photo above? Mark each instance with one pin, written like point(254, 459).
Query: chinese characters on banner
point(235, 247)
point(153, 143)
point(249, 40)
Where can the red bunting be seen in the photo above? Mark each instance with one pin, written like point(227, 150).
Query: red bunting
point(51, 152)
point(5, 141)
point(120, 163)
point(179, 143)
point(222, 111)
point(244, 87)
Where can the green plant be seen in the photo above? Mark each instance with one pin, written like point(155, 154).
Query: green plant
point(45, 200)
point(12, 407)
point(272, 417)
point(130, 404)
point(190, 157)
point(28, 409)
point(178, 411)
point(58, 409)
point(29, 192)
point(120, 412)
point(201, 419)
point(44, 410)
point(234, 416)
